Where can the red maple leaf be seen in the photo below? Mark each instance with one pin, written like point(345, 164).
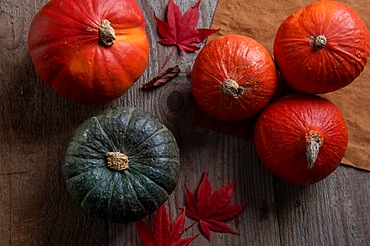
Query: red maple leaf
point(163, 234)
point(180, 30)
point(211, 210)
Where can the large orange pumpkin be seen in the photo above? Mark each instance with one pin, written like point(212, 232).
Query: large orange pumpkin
point(301, 138)
point(89, 51)
point(322, 47)
point(233, 78)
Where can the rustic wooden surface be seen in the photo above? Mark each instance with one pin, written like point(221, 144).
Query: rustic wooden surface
point(35, 125)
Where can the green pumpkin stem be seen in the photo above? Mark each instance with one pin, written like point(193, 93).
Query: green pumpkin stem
point(106, 33)
point(117, 161)
point(231, 87)
point(314, 142)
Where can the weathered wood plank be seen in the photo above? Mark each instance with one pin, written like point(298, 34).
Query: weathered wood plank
point(332, 212)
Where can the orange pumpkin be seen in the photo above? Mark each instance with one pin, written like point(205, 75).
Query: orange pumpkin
point(322, 47)
point(233, 78)
point(89, 51)
point(301, 138)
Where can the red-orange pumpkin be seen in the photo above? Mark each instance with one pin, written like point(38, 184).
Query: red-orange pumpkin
point(233, 78)
point(301, 138)
point(89, 51)
point(322, 47)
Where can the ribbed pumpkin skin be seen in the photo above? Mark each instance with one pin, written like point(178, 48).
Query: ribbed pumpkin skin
point(68, 55)
point(238, 58)
point(127, 195)
point(280, 137)
point(311, 70)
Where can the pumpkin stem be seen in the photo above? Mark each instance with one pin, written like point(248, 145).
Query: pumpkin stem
point(231, 87)
point(319, 42)
point(106, 33)
point(117, 161)
point(314, 142)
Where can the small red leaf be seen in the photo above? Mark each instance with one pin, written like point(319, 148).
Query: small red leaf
point(211, 210)
point(180, 30)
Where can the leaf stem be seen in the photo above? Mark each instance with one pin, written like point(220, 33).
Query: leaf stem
point(190, 226)
point(168, 58)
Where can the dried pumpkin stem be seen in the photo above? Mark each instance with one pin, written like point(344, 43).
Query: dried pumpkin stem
point(314, 142)
point(319, 42)
point(106, 33)
point(117, 161)
point(231, 87)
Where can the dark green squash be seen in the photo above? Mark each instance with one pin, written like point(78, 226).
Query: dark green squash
point(121, 165)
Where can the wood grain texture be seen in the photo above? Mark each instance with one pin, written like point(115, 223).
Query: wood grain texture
point(36, 124)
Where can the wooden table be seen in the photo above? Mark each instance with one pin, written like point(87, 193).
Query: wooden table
point(36, 124)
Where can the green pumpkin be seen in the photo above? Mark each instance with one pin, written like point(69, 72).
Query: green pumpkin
point(121, 165)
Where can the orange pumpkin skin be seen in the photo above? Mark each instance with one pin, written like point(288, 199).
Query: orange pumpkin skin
point(68, 54)
point(283, 132)
point(306, 62)
point(233, 78)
